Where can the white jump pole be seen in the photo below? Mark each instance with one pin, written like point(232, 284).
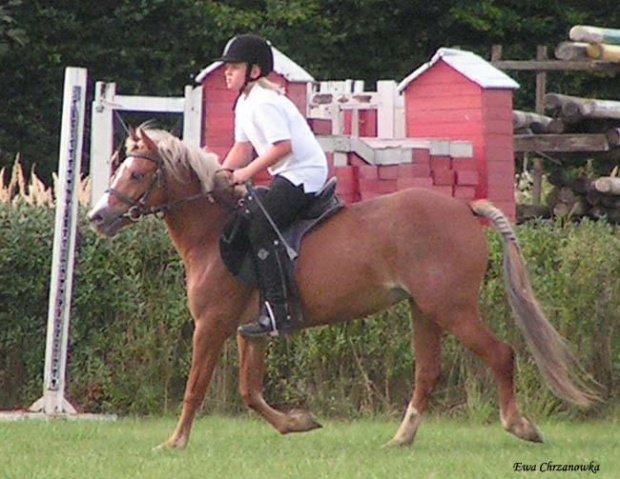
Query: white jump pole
point(53, 401)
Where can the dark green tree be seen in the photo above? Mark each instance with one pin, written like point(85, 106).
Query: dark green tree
point(156, 47)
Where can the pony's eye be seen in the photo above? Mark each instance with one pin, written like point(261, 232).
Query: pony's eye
point(136, 176)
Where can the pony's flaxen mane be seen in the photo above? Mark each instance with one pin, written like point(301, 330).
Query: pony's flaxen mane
point(178, 156)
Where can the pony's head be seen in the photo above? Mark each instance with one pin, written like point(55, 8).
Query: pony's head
point(146, 180)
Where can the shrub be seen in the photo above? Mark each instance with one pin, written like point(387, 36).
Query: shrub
point(130, 333)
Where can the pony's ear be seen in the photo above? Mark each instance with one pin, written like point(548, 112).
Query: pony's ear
point(115, 162)
point(132, 134)
point(146, 140)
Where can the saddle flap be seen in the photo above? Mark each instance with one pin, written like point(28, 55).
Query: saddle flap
point(323, 201)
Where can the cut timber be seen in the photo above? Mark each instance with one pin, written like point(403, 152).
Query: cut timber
point(613, 136)
point(573, 109)
point(584, 33)
point(608, 185)
point(557, 125)
point(608, 53)
point(561, 143)
point(571, 51)
point(600, 109)
point(530, 212)
point(555, 101)
point(566, 195)
point(557, 65)
point(569, 106)
point(593, 197)
point(599, 212)
point(525, 119)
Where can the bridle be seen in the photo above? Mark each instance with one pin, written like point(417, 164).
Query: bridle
point(137, 206)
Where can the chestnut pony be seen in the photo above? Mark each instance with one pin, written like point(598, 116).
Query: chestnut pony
point(415, 244)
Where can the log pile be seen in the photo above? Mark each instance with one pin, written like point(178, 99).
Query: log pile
point(576, 128)
point(570, 114)
point(594, 198)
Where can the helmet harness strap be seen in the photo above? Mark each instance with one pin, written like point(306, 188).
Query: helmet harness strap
point(248, 79)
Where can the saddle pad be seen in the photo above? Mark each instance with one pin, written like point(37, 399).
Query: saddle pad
point(235, 245)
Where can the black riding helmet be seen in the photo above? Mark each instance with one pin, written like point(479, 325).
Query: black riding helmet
point(250, 49)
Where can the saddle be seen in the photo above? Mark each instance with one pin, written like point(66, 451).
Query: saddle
point(235, 246)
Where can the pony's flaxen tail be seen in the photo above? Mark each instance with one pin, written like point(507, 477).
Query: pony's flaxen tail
point(557, 364)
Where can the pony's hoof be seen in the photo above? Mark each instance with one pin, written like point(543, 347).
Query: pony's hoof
point(168, 446)
point(302, 421)
point(161, 447)
point(525, 430)
point(394, 443)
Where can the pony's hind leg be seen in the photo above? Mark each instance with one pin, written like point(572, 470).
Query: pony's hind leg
point(251, 374)
point(464, 323)
point(427, 347)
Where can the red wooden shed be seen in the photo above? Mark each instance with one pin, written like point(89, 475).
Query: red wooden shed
point(460, 96)
point(218, 118)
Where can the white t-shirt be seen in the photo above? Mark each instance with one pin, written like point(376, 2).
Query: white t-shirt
point(264, 117)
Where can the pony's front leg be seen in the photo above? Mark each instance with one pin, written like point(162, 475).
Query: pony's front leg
point(208, 340)
point(251, 374)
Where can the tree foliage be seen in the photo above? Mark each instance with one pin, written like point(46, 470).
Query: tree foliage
point(156, 47)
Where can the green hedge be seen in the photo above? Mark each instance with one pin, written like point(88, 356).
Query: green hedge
point(131, 331)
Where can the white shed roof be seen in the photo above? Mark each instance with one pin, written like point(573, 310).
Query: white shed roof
point(469, 65)
point(282, 65)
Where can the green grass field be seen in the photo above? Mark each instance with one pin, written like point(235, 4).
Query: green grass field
point(245, 448)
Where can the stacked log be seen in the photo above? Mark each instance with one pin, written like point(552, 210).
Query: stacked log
point(590, 43)
point(594, 198)
point(525, 121)
point(572, 51)
point(573, 114)
point(601, 43)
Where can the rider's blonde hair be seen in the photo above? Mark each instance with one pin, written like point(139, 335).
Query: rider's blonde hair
point(270, 85)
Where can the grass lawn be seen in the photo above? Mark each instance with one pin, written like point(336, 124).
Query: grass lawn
point(245, 448)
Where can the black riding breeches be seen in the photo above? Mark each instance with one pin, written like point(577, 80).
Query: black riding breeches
point(283, 202)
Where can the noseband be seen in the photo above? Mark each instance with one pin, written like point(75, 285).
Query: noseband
point(137, 206)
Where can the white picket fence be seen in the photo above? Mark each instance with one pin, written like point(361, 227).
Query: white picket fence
point(330, 99)
point(106, 102)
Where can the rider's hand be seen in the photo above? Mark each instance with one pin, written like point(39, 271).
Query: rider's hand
point(241, 176)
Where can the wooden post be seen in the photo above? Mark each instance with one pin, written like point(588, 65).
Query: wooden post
point(192, 115)
point(101, 139)
point(386, 109)
point(496, 53)
point(541, 86)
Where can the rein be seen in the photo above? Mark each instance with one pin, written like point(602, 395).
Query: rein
point(137, 207)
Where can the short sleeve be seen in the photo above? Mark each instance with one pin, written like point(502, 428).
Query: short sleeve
point(273, 122)
point(240, 136)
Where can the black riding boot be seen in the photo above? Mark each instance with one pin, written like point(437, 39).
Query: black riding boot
point(276, 315)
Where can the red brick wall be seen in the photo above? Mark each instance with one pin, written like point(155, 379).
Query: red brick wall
point(359, 181)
